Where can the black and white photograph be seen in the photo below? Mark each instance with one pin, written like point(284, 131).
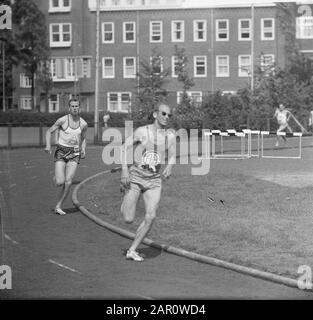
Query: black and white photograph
point(156, 155)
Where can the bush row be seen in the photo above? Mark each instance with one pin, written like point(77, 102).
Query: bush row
point(31, 119)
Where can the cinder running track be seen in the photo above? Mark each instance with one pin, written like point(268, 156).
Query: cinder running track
point(57, 257)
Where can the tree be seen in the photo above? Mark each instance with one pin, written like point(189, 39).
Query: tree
point(45, 81)
point(31, 38)
point(188, 112)
point(183, 77)
point(151, 81)
point(11, 57)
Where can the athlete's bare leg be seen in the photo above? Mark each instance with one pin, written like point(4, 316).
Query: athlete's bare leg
point(151, 199)
point(70, 170)
point(128, 207)
point(280, 129)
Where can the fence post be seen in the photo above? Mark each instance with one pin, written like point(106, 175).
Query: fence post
point(40, 134)
point(10, 136)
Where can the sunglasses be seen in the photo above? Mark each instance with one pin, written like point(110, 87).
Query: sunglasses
point(164, 114)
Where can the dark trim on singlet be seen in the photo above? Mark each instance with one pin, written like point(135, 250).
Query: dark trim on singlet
point(166, 139)
point(68, 124)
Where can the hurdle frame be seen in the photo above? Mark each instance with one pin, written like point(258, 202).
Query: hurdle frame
point(231, 132)
point(294, 134)
point(250, 133)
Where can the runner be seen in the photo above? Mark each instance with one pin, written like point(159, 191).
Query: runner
point(143, 177)
point(71, 147)
point(282, 115)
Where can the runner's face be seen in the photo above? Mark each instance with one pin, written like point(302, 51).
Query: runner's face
point(74, 108)
point(164, 115)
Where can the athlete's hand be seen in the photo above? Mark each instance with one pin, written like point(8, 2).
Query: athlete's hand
point(48, 150)
point(125, 182)
point(166, 173)
point(83, 154)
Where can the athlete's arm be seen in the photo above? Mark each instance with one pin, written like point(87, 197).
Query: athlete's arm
point(84, 141)
point(167, 172)
point(288, 115)
point(129, 142)
point(54, 127)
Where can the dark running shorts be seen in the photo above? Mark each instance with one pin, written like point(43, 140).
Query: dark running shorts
point(66, 154)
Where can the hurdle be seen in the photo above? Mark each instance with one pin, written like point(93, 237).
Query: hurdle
point(286, 134)
point(231, 132)
point(249, 133)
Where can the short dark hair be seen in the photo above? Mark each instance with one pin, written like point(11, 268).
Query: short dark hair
point(73, 100)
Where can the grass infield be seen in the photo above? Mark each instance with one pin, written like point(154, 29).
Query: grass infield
point(257, 213)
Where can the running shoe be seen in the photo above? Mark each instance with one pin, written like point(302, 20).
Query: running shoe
point(59, 211)
point(133, 255)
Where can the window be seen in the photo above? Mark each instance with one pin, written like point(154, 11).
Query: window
point(244, 65)
point(25, 81)
point(60, 35)
point(199, 30)
point(157, 65)
point(60, 5)
point(108, 67)
point(196, 97)
point(267, 62)
point(174, 66)
point(244, 29)
point(83, 67)
point(200, 66)
point(222, 66)
point(304, 27)
point(63, 69)
point(129, 32)
point(129, 67)
point(26, 102)
point(178, 31)
point(156, 31)
point(108, 32)
point(54, 104)
point(267, 29)
point(119, 101)
point(222, 30)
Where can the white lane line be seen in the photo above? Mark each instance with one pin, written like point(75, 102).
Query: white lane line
point(144, 297)
point(30, 167)
point(12, 185)
point(63, 266)
point(10, 239)
point(34, 177)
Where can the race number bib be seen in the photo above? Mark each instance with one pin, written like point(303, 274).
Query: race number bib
point(151, 160)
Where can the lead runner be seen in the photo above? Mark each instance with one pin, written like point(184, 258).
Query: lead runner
point(144, 177)
point(71, 147)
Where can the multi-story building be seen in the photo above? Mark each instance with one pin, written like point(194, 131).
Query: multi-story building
point(223, 43)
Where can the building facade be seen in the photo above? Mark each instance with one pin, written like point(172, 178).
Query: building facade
point(224, 45)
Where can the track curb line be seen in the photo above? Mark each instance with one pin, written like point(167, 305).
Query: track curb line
point(177, 251)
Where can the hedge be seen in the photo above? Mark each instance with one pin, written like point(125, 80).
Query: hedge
point(34, 119)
